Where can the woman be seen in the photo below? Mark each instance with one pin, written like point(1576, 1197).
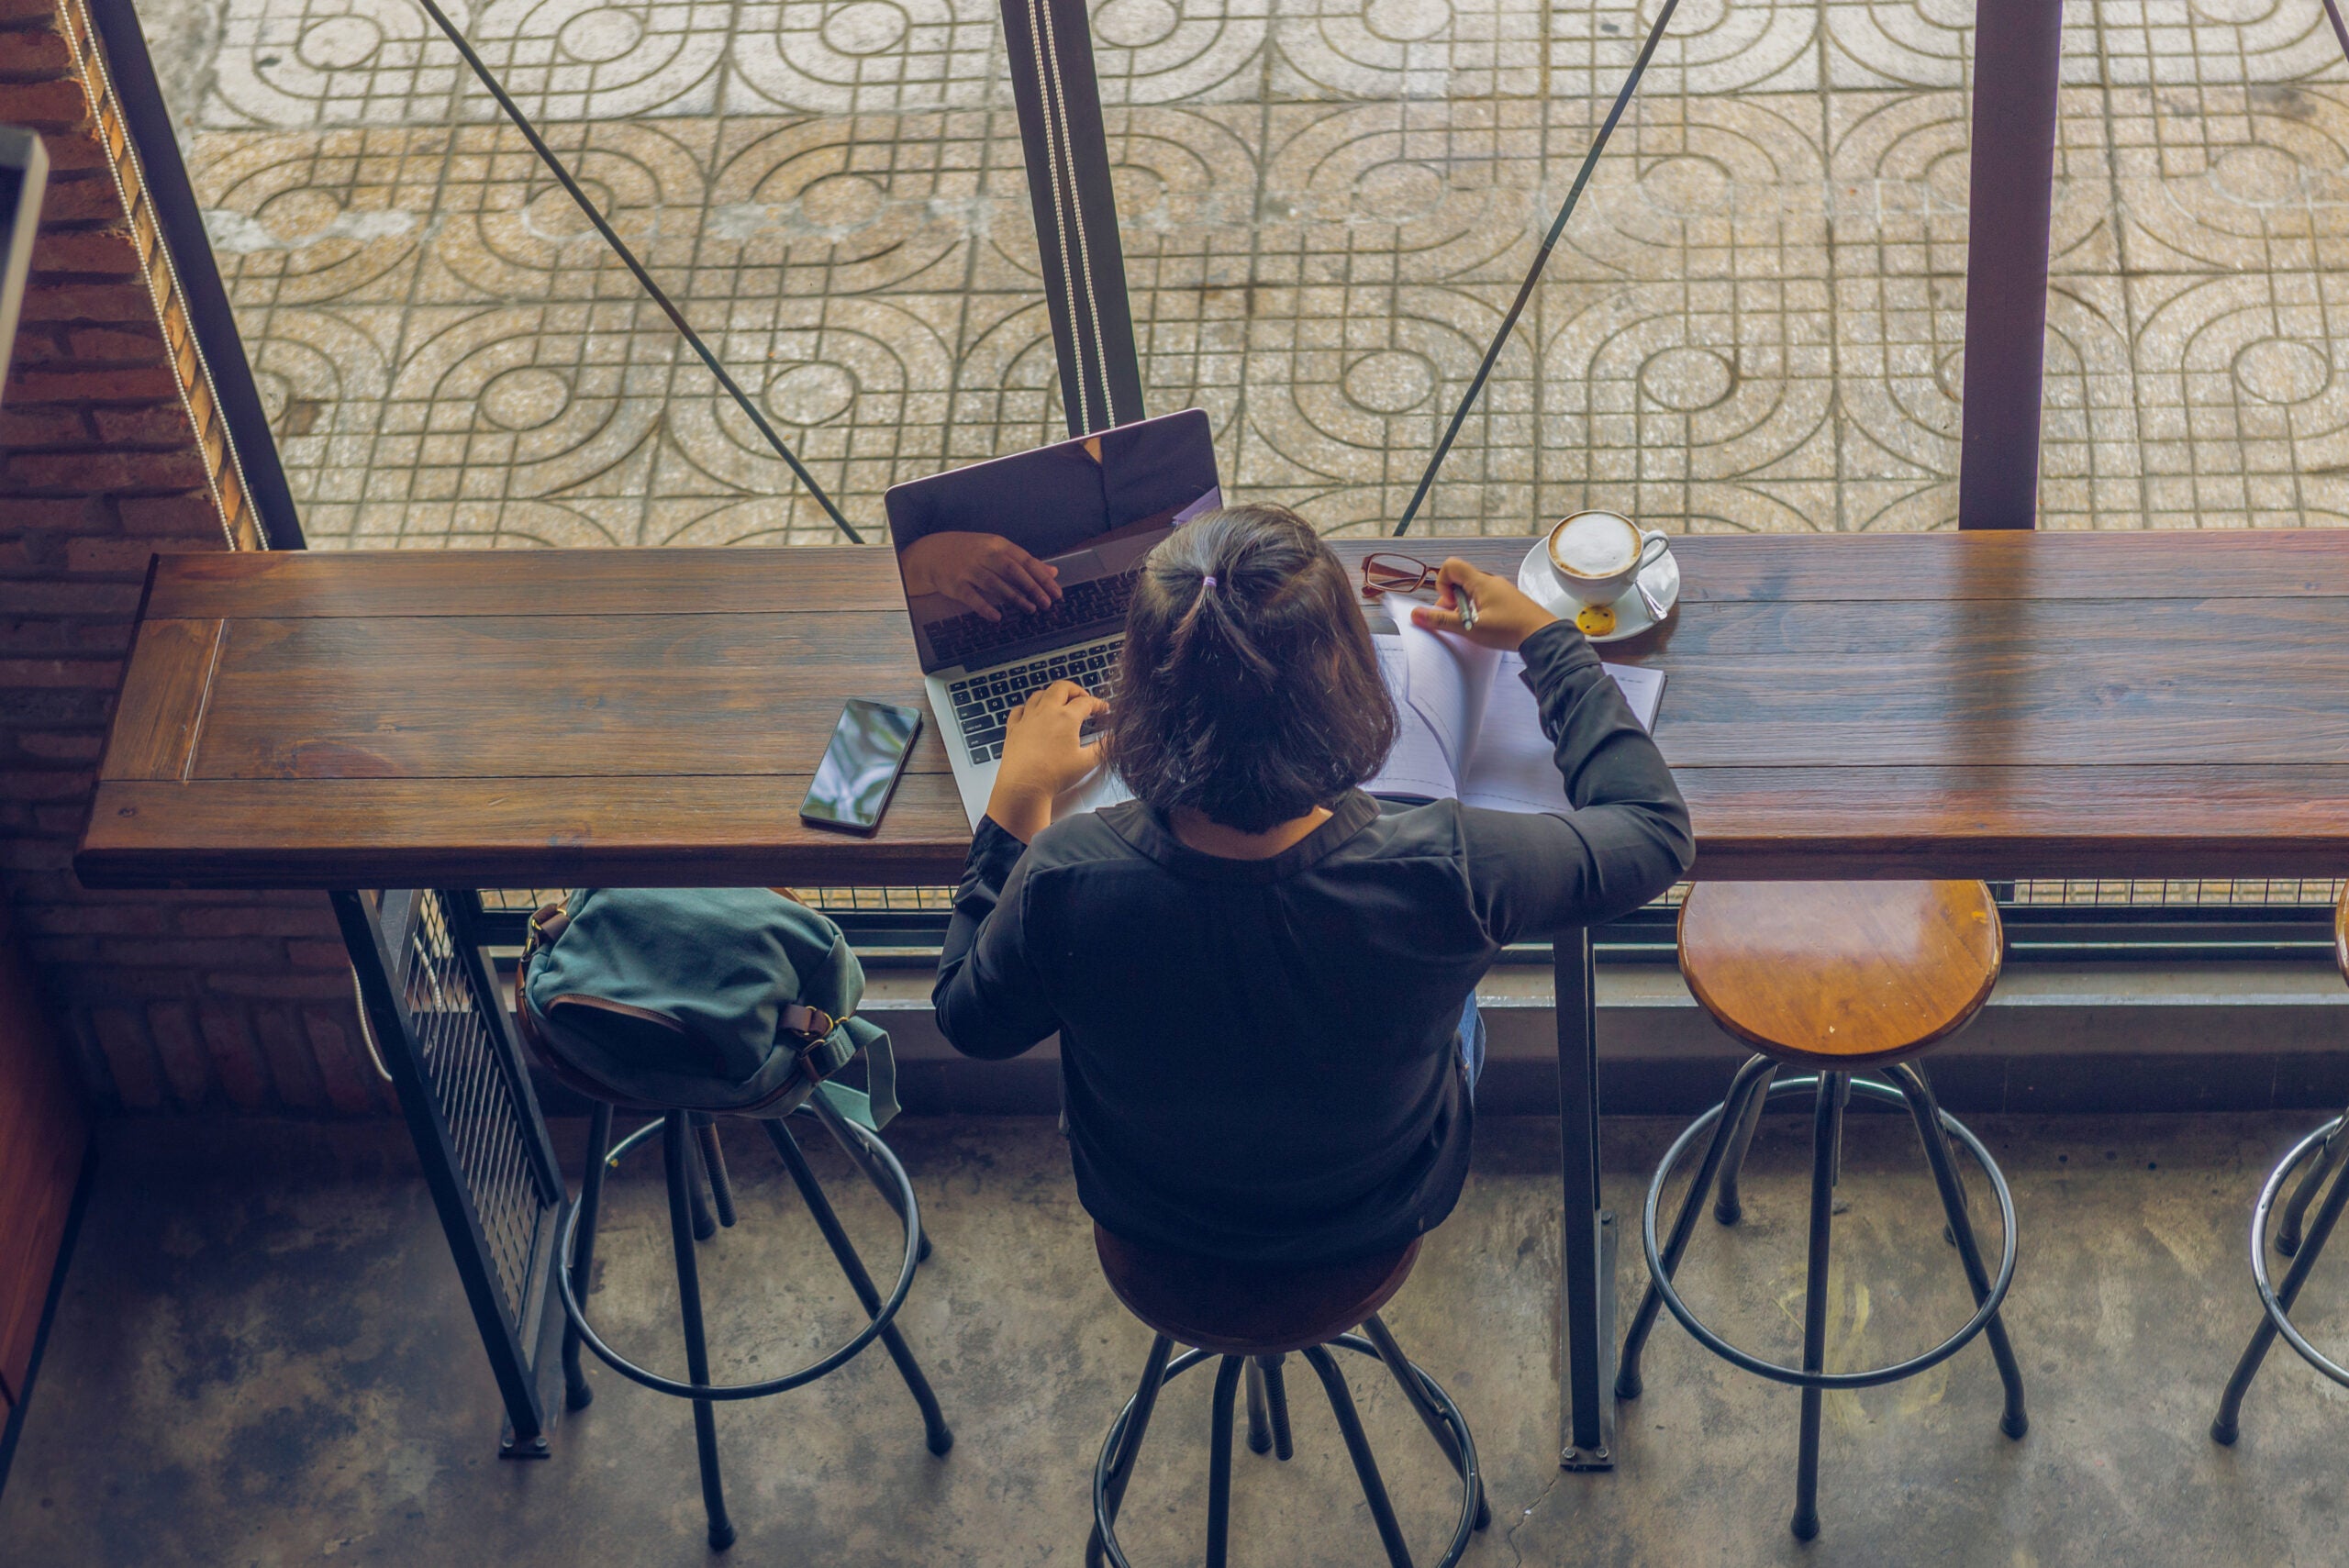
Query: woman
point(1257, 972)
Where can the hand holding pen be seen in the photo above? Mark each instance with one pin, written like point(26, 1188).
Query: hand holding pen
point(1485, 609)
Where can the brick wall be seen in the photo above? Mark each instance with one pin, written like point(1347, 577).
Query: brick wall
point(111, 448)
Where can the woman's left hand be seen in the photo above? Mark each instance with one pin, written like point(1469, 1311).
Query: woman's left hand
point(1043, 757)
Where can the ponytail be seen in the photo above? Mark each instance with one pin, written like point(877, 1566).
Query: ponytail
point(1211, 638)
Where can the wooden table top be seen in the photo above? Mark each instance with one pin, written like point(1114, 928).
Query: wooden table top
point(1992, 705)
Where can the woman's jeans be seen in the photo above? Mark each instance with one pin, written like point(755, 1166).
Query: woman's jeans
point(1471, 1043)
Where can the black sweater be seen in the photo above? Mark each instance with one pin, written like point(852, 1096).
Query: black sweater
point(1260, 1058)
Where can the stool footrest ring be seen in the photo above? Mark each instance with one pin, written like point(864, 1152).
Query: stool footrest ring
point(1873, 1377)
point(2269, 1298)
point(879, 1321)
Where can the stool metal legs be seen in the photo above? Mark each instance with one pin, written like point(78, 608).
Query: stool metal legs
point(1125, 1443)
point(933, 1420)
point(2288, 1231)
point(1826, 1140)
point(1725, 1128)
point(676, 1151)
point(1262, 1376)
point(690, 1151)
point(1259, 1409)
point(1726, 1208)
point(713, 1166)
point(1413, 1382)
point(1227, 1383)
point(1935, 1134)
point(1750, 1086)
point(1374, 1486)
point(883, 1182)
point(697, 1200)
point(578, 1393)
point(1276, 1398)
point(2277, 1302)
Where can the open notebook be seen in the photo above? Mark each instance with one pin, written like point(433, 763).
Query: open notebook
point(1469, 727)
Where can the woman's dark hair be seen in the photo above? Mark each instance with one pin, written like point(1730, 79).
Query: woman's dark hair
point(1248, 690)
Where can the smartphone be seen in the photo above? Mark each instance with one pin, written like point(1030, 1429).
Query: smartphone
point(869, 749)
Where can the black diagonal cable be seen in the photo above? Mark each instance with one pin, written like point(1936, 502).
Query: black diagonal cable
point(676, 318)
point(2339, 31)
point(1541, 259)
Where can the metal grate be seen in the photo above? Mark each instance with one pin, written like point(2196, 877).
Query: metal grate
point(2076, 892)
point(486, 1123)
point(875, 900)
point(890, 900)
point(2120, 895)
point(521, 900)
point(2113, 892)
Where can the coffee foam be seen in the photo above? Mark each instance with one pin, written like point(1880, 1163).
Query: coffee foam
point(1595, 546)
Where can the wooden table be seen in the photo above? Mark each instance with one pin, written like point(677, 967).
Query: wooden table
point(1985, 704)
point(1973, 705)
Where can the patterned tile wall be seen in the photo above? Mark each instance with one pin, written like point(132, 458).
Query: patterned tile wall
point(1756, 321)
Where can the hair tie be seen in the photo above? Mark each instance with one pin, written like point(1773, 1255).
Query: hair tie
point(1206, 580)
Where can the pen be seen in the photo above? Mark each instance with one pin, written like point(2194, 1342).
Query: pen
point(1467, 612)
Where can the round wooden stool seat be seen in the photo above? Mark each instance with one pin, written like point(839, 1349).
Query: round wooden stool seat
point(1840, 974)
point(1242, 1309)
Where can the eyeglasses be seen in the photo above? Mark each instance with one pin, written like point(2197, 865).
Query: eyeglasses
point(1394, 574)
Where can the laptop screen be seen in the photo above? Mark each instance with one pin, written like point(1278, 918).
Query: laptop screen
point(1037, 550)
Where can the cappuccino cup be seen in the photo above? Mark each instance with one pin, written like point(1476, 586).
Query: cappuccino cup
point(1596, 555)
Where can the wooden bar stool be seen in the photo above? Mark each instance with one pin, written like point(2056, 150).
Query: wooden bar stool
point(2327, 1144)
point(1835, 977)
point(624, 1055)
point(689, 1153)
point(1254, 1319)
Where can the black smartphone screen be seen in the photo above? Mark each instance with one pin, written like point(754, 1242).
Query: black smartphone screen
point(860, 766)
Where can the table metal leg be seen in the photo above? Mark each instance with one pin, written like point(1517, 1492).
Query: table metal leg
point(440, 1027)
point(1587, 1278)
point(2019, 49)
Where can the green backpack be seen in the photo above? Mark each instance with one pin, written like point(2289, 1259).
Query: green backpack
point(736, 1001)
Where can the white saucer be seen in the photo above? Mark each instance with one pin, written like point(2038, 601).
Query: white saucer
point(1538, 583)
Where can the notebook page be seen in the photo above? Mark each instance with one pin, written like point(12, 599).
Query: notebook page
point(1449, 679)
point(1642, 688)
point(1097, 789)
point(1417, 766)
point(1514, 766)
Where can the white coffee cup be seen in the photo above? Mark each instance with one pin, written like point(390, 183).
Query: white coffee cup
point(1595, 555)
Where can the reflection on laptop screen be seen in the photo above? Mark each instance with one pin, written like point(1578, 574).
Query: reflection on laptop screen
point(971, 543)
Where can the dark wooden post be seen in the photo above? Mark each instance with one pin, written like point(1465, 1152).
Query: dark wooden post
point(1049, 46)
point(2018, 56)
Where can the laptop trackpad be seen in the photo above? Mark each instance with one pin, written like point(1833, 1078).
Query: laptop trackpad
point(1079, 566)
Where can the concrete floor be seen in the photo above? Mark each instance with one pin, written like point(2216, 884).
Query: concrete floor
point(261, 1358)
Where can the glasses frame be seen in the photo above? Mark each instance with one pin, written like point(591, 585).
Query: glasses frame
point(1372, 590)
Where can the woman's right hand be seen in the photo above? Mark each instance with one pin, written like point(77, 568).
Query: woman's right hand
point(1045, 755)
point(1505, 616)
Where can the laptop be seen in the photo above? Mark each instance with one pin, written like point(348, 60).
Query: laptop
point(1092, 508)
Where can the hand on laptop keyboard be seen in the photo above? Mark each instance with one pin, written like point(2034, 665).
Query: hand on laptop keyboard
point(982, 703)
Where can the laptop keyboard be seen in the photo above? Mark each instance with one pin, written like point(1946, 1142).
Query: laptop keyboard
point(982, 703)
point(966, 639)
